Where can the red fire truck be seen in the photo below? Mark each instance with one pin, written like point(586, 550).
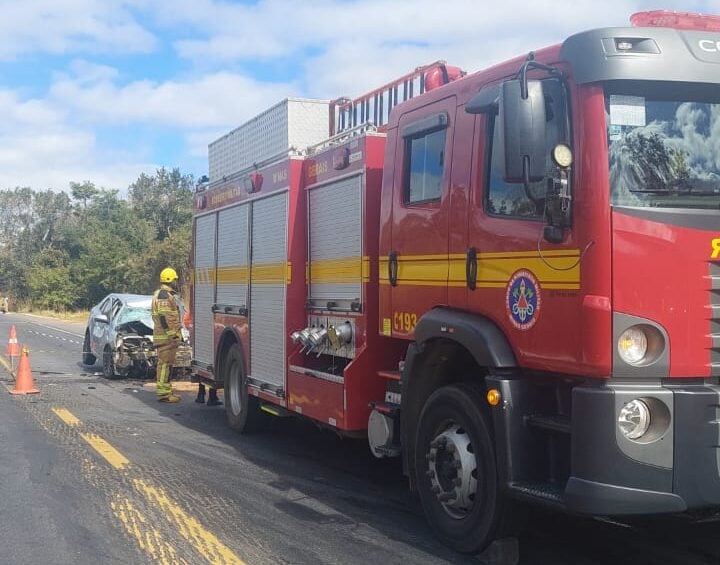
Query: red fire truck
point(510, 279)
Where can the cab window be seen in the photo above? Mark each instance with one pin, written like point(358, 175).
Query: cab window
point(425, 159)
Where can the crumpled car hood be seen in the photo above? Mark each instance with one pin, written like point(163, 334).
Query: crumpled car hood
point(140, 327)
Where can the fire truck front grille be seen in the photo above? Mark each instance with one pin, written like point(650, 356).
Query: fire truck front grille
point(714, 309)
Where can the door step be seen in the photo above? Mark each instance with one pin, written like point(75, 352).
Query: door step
point(544, 492)
point(559, 424)
point(387, 408)
point(391, 375)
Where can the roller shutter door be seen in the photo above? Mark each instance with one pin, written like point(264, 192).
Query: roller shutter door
point(267, 289)
point(204, 289)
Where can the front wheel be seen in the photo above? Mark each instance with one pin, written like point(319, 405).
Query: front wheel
point(456, 470)
point(87, 357)
point(243, 412)
point(109, 371)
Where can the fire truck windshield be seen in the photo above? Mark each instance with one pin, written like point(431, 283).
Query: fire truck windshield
point(663, 153)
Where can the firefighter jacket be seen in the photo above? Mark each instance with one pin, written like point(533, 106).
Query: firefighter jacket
point(166, 315)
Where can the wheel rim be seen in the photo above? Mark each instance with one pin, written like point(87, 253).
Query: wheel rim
point(235, 394)
point(453, 471)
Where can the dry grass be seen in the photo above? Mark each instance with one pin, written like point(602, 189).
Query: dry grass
point(79, 316)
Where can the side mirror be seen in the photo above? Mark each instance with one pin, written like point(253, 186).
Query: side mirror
point(524, 131)
point(485, 101)
point(101, 318)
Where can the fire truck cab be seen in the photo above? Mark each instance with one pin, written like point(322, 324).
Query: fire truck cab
point(510, 279)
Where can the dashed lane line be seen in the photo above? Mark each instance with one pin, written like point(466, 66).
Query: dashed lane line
point(149, 539)
point(59, 338)
point(67, 416)
point(56, 329)
point(108, 452)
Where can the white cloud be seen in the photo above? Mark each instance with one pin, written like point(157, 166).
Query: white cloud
point(336, 47)
point(218, 99)
point(70, 26)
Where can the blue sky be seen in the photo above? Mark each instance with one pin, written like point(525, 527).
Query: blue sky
point(103, 90)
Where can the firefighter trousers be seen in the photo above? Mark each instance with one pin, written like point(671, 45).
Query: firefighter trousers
point(165, 360)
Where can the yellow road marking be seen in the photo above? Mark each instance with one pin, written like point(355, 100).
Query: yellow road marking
point(148, 538)
point(67, 416)
point(109, 453)
point(209, 546)
point(8, 367)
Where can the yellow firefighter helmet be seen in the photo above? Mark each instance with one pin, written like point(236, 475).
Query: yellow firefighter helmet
point(168, 275)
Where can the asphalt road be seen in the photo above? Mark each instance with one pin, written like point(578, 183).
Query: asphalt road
point(96, 471)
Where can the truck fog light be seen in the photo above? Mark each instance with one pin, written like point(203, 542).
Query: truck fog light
point(634, 419)
point(633, 345)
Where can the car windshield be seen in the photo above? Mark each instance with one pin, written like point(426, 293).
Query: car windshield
point(133, 313)
point(664, 153)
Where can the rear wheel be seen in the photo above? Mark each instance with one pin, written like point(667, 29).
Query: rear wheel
point(456, 471)
point(87, 357)
point(243, 411)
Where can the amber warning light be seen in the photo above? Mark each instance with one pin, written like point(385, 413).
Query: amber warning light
point(676, 20)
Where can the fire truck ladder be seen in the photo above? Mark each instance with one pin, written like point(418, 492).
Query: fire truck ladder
point(375, 106)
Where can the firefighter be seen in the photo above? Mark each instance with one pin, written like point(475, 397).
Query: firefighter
point(166, 333)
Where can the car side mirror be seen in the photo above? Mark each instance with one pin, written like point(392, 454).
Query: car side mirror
point(101, 318)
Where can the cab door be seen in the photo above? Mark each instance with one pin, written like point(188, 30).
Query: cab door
point(529, 286)
point(414, 260)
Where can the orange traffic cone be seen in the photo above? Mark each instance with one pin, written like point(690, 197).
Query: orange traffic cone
point(23, 379)
point(12, 349)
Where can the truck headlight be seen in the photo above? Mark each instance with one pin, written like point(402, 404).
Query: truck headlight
point(641, 345)
point(634, 419)
point(633, 345)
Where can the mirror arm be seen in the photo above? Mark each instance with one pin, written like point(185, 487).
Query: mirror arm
point(531, 63)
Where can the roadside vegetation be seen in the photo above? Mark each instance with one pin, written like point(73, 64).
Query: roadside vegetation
point(64, 251)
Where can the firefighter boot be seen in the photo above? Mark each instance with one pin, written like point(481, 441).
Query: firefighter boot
point(200, 398)
point(213, 399)
point(172, 399)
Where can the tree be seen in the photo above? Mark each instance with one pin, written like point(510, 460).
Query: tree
point(164, 199)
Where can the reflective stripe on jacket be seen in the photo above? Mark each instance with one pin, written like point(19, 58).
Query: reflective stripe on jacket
point(165, 315)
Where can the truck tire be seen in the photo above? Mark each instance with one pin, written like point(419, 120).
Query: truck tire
point(87, 357)
point(456, 472)
point(243, 411)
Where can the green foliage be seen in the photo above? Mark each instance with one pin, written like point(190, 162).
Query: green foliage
point(67, 251)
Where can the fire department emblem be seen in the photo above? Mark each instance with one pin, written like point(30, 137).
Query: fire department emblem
point(522, 300)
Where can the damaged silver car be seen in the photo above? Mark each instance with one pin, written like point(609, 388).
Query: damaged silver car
point(119, 334)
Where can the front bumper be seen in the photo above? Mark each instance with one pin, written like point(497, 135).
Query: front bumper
point(678, 471)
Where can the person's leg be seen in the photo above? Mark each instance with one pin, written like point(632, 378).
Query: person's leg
point(166, 358)
point(200, 398)
point(213, 400)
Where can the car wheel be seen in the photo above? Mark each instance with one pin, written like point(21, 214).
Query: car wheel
point(456, 470)
point(108, 363)
point(243, 411)
point(87, 357)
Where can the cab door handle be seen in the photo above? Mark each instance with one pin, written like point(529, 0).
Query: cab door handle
point(393, 268)
point(471, 268)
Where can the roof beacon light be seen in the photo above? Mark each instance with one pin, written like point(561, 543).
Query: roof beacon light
point(676, 20)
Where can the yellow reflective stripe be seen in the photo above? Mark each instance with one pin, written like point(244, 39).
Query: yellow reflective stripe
point(269, 273)
point(261, 273)
point(558, 269)
point(342, 270)
point(233, 275)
